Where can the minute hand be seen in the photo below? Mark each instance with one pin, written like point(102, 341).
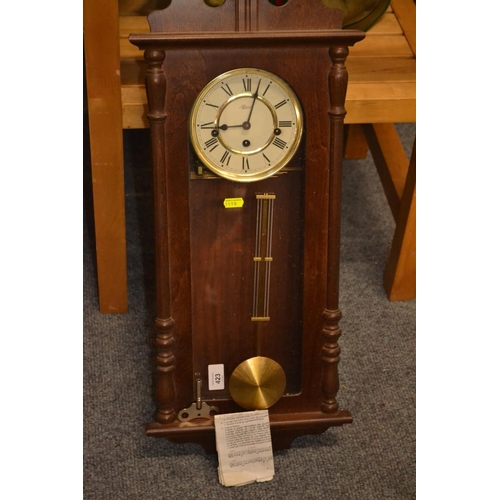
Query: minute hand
point(253, 102)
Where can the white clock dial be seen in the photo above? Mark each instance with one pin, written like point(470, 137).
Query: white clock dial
point(246, 124)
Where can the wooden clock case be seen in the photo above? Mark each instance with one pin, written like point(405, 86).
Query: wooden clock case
point(197, 239)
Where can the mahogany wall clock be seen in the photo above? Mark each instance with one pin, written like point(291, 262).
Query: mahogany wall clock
point(246, 107)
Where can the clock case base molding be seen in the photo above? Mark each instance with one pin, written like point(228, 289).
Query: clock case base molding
point(284, 429)
point(180, 64)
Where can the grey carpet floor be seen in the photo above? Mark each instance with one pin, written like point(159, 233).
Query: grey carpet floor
point(372, 458)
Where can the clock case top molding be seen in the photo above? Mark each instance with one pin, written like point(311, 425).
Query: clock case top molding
point(189, 45)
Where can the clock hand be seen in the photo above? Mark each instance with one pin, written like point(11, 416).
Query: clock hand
point(216, 128)
point(225, 127)
point(247, 123)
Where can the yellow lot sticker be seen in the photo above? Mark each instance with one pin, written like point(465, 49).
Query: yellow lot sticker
point(233, 202)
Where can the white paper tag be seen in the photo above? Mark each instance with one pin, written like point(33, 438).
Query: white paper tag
point(243, 442)
point(215, 377)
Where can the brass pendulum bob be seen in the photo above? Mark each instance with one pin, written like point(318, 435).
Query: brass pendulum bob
point(257, 383)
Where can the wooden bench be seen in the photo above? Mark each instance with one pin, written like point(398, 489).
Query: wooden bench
point(381, 92)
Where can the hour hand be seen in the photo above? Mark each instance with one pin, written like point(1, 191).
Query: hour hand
point(214, 126)
point(225, 127)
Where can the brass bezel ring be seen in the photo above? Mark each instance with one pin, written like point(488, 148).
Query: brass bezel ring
point(273, 169)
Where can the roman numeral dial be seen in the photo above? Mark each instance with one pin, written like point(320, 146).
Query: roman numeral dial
point(246, 125)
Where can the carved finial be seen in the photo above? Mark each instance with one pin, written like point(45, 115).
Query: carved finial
point(165, 366)
point(156, 84)
point(330, 356)
point(338, 54)
point(154, 57)
point(337, 81)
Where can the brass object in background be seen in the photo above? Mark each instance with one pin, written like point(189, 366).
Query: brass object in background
point(257, 383)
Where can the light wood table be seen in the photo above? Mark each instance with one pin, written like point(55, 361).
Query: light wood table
point(381, 92)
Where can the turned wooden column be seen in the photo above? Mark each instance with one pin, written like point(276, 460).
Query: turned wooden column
point(337, 84)
point(165, 361)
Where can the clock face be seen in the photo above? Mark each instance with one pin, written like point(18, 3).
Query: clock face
point(246, 124)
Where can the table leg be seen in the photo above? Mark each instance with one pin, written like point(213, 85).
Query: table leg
point(400, 274)
point(102, 67)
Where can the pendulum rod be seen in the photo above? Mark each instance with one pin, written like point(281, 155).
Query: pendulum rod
point(262, 261)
